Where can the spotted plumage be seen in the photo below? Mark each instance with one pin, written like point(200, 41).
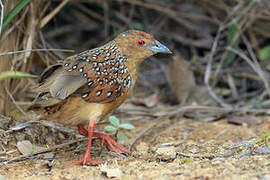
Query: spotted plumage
point(106, 72)
point(86, 87)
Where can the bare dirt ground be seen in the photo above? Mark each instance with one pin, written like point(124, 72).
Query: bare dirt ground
point(173, 149)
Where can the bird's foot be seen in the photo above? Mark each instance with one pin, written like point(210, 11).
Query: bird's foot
point(111, 143)
point(105, 137)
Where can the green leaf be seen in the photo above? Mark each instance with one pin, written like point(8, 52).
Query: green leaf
point(126, 126)
point(15, 74)
point(114, 121)
point(14, 12)
point(109, 128)
point(265, 136)
point(254, 103)
point(232, 41)
point(137, 25)
point(122, 138)
point(264, 53)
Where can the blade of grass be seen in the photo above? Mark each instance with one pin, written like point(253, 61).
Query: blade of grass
point(232, 41)
point(47, 18)
point(15, 74)
point(14, 12)
point(2, 16)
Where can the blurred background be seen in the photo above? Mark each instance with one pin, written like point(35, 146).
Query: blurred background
point(221, 50)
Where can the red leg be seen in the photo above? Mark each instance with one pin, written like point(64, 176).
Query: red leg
point(82, 131)
point(105, 137)
point(111, 142)
point(87, 157)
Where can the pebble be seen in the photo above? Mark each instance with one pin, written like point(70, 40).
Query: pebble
point(166, 153)
point(111, 172)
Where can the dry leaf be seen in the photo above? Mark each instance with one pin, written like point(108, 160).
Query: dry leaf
point(25, 147)
point(149, 101)
point(181, 79)
point(239, 120)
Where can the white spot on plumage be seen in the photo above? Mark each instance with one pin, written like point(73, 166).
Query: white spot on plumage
point(85, 95)
point(109, 93)
point(90, 83)
point(98, 93)
point(75, 66)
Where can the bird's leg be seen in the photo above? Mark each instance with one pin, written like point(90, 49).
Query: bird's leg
point(82, 131)
point(104, 137)
point(111, 142)
point(87, 156)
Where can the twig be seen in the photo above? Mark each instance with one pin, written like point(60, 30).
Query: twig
point(183, 109)
point(166, 10)
point(95, 15)
point(256, 67)
point(43, 123)
point(2, 16)
point(209, 68)
point(34, 50)
point(21, 157)
point(259, 69)
point(14, 102)
point(208, 156)
point(47, 18)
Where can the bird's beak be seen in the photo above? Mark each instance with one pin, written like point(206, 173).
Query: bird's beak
point(157, 47)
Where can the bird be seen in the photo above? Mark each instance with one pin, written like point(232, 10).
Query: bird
point(86, 87)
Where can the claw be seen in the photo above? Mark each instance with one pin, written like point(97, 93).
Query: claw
point(105, 137)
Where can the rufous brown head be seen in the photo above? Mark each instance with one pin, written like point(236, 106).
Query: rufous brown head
point(139, 45)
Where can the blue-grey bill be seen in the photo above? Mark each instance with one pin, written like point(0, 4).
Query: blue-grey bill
point(159, 48)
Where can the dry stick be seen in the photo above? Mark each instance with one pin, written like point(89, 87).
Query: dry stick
point(259, 69)
point(96, 15)
point(254, 66)
point(184, 109)
point(47, 18)
point(106, 18)
point(2, 16)
point(13, 100)
point(34, 50)
point(208, 71)
point(21, 157)
point(212, 109)
point(166, 10)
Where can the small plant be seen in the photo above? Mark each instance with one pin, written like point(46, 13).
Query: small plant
point(115, 126)
point(265, 138)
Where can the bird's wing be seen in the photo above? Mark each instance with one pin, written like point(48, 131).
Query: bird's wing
point(97, 75)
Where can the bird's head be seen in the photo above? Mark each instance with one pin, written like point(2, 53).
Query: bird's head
point(138, 45)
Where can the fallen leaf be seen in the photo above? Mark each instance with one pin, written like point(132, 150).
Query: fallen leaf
point(181, 79)
point(239, 120)
point(149, 101)
point(25, 147)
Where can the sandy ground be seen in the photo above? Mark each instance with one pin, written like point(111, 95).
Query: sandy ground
point(173, 149)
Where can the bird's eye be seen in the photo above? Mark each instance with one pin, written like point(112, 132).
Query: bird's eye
point(140, 42)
